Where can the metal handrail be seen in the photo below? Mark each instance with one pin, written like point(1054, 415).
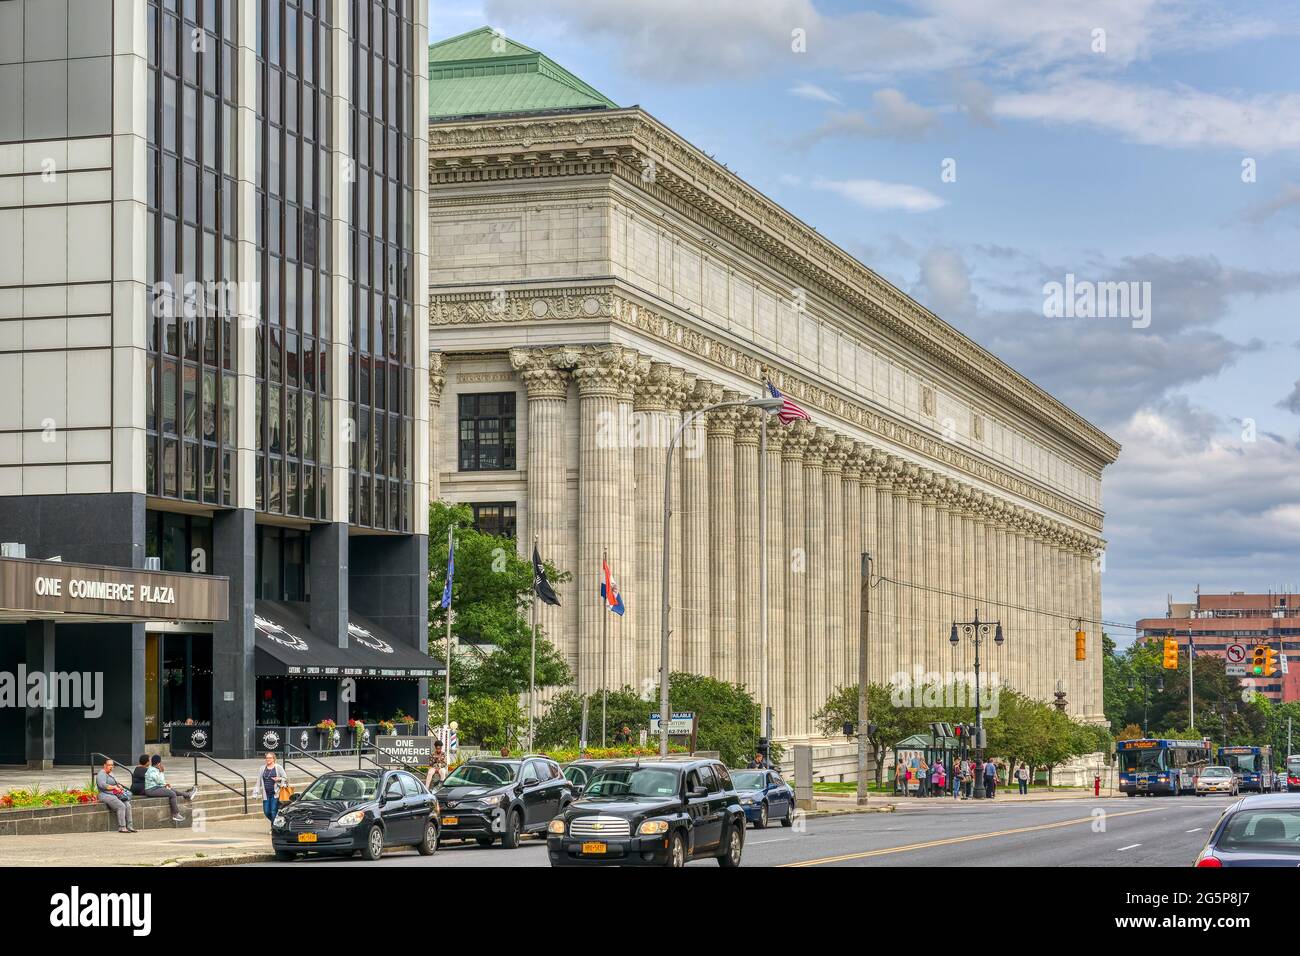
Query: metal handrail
point(93, 755)
point(196, 754)
point(294, 748)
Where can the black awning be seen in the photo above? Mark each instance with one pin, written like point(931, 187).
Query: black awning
point(286, 647)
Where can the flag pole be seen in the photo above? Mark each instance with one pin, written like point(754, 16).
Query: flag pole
point(446, 696)
point(532, 661)
point(604, 658)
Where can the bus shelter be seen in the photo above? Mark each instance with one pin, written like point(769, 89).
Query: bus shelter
point(911, 751)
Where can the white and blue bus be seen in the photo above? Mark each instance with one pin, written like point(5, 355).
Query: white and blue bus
point(1153, 765)
point(1254, 765)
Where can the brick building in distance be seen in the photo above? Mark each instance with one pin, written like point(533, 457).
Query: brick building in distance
point(1217, 620)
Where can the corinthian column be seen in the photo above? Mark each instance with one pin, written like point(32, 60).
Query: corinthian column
point(437, 381)
point(724, 652)
point(602, 497)
point(833, 582)
point(746, 545)
point(795, 573)
point(545, 375)
point(696, 508)
point(624, 563)
point(915, 532)
point(943, 545)
point(814, 461)
point(854, 545)
point(873, 464)
point(777, 570)
point(1095, 557)
point(652, 429)
point(933, 636)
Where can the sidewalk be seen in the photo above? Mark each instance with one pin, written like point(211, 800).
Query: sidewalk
point(244, 840)
point(180, 773)
point(843, 801)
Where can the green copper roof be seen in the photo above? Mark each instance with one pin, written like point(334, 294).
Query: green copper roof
point(482, 73)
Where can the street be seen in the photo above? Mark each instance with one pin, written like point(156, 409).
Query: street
point(1156, 831)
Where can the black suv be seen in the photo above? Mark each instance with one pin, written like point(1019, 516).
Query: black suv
point(651, 813)
point(489, 798)
point(351, 810)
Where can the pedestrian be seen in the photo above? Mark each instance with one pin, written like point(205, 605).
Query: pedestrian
point(955, 777)
point(967, 778)
point(759, 762)
point(940, 779)
point(990, 777)
point(437, 765)
point(115, 796)
point(270, 782)
point(907, 780)
point(922, 777)
point(155, 785)
point(138, 775)
point(1022, 778)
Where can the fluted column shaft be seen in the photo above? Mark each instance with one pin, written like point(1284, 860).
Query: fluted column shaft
point(437, 382)
point(749, 650)
point(1094, 608)
point(796, 578)
point(815, 550)
point(777, 571)
point(885, 606)
point(696, 510)
point(932, 641)
point(1023, 618)
point(915, 576)
point(1015, 660)
point(547, 505)
point(853, 543)
point(833, 583)
point(868, 490)
point(723, 652)
point(600, 374)
point(942, 599)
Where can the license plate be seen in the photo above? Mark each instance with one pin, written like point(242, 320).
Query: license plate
point(306, 838)
point(450, 821)
point(593, 848)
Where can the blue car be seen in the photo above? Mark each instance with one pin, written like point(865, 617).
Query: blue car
point(764, 796)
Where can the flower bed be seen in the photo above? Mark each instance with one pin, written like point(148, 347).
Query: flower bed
point(36, 799)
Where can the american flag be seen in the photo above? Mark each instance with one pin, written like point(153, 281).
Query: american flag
point(789, 410)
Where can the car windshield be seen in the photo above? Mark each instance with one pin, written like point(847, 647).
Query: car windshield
point(480, 775)
point(635, 782)
point(341, 787)
point(1142, 760)
point(748, 779)
point(1217, 772)
point(1243, 763)
point(1272, 829)
point(575, 774)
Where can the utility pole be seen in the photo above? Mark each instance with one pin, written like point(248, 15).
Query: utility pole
point(1191, 693)
point(864, 727)
point(763, 700)
point(977, 632)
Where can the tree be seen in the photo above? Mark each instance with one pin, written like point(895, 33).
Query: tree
point(494, 721)
point(561, 725)
point(892, 723)
point(1130, 732)
point(491, 598)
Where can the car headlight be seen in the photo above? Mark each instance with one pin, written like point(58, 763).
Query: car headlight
point(747, 801)
point(279, 820)
point(492, 801)
point(651, 827)
point(556, 826)
point(351, 819)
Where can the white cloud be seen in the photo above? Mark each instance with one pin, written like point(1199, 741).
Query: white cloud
point(874, 194)
point(811, 91)
point(893, 116)
point(1183, 117)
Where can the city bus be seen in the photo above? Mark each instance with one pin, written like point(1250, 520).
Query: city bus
point(1254, 765)
point(1293, 773)
point(1153, 765)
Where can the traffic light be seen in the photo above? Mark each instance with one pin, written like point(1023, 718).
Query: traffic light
point(1171, 654)
point(1270, 661)
point(1259, 659)
point(1080, 645)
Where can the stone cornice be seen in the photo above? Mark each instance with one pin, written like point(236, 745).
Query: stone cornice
point(602, 302)
point(633, 145)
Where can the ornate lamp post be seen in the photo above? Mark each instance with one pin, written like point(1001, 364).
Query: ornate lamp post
point(977, 632)
point(1146, 697)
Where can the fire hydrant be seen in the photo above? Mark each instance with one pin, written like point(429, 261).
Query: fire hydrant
point(1096, 785)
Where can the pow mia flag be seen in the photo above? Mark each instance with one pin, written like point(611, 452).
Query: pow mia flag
point(542, 587)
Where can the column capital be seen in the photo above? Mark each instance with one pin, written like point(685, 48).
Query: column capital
point(856, 461)
point(797, 436)
point(837, 453)
point(943, 486)
point(604, 370)
point(819, 446)
point(722, 422)
point(660, 389)
point(545, 372)
point(910, 483)
point(747, 425)
point(703, 393)
point(776, 435)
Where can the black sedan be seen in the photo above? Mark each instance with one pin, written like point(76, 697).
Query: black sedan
point(1259, 830)
point(490, 799)
point(358, 810)
point(661, 813)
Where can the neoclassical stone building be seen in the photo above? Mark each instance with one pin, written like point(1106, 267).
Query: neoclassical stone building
point(593, 276)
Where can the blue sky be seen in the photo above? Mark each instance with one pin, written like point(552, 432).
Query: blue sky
point(1113, 156)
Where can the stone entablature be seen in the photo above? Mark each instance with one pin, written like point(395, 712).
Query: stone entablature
point(635, 147)
point(605, 303)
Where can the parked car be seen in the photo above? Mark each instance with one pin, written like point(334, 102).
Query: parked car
point(764, 796)
point(1259, 830)
point(1217, 780)
point(490, 799)
point(579, 772)
point(651, 813)
point(357, 810)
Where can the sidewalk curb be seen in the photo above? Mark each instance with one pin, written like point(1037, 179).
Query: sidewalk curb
point(258, 856)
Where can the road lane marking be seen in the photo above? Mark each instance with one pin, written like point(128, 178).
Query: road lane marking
point(961, 839)
point(1197, 830)
point(1129, 847)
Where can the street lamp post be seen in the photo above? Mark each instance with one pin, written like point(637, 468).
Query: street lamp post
point(1146, 697)
point(977, 632)
point(769, 405)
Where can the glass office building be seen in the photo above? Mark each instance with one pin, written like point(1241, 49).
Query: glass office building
point(213, 346)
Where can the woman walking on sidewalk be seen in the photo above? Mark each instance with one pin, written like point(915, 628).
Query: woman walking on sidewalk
point(1022, 778)
point(269, 782)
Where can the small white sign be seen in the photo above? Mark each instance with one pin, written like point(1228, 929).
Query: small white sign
point(1235, 670)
